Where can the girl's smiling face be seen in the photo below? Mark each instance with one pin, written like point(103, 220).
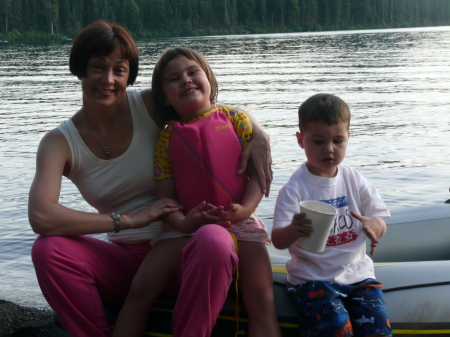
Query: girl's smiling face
point(325, 146)
point(186, 87)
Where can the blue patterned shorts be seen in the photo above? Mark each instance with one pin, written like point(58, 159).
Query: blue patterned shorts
point(334, 309)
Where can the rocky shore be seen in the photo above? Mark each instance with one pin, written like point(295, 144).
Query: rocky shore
point(19, 321)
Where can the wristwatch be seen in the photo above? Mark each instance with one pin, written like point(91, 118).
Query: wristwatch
point(116, 217)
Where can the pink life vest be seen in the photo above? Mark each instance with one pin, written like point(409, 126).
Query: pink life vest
point(205, 156)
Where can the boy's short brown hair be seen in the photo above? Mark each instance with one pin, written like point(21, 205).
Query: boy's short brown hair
point(169, 54)
point(323, 108)
point(102, 38)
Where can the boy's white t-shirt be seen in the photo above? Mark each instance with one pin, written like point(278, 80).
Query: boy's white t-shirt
point(344, 259)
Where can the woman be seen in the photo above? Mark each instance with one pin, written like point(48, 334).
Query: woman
point(106, 149)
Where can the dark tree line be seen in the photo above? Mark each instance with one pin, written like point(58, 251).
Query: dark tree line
point(43, 19)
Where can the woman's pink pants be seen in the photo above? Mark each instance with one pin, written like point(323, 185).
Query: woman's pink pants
point(77, 273)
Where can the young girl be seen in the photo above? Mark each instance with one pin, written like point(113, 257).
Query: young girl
point(195, 162)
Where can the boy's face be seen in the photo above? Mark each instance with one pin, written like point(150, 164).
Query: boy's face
point(324, 146)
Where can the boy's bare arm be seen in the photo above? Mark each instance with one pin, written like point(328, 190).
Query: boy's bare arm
point(374, 228)
point(284, 237)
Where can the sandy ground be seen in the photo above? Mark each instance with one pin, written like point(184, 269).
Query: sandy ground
point(19, 321)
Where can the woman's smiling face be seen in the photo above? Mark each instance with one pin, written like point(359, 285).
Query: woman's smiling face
point(106, 79)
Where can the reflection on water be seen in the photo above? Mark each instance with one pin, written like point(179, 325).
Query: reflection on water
point(395, 81)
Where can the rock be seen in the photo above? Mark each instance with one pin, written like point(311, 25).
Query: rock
point(20, 321)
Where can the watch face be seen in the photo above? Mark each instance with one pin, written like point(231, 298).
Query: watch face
point(116, 219)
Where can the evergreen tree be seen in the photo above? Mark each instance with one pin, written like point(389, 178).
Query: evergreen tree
point(227, 20)
point(262, 12)
point(91, 12)
point(362, 12)
point(134, 19)
point(159, 14)
point(244, 14)
point(281, 15)
point(65, 15)
point(205, 12)
point(27, 14)
point(233, 15)
point(53, 15)
point(6, 15)
point(77, 9)
point(104, 10)
point(311, 11)
point(293, 13)
point(15, 21)
point(335, 12)
point(192, 17)
point(324, 12)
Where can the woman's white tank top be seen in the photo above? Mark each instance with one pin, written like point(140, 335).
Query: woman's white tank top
point(124, 184)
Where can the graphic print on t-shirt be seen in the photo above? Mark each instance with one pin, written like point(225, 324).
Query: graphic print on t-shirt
point(342, 231)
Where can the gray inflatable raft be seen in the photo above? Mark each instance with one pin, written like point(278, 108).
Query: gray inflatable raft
point(412, 261)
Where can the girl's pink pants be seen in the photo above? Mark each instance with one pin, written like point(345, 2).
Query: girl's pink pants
point(77, 273)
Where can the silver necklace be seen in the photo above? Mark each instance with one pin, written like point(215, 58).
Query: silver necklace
point(107, 150)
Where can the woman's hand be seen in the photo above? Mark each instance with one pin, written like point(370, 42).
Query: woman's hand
point(150, 213)
point(258, 151)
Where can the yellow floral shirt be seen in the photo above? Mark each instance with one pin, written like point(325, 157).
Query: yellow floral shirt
point(239, 119)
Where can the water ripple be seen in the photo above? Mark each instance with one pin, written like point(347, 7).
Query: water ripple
point(396, 83)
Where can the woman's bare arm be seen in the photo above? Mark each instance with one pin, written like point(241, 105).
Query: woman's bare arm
point(48, 217)
point(148, 100)
point(258, 151)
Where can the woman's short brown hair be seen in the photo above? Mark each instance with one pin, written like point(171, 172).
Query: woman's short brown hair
point(102, 38)
point(169, 54)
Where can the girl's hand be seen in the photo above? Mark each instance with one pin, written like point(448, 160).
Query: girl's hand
point(197, 218)
point(300, 224)
point(235, 214)
point(150, 213)
point(373, 227)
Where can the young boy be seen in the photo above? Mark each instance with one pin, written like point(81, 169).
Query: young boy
point(335, 291)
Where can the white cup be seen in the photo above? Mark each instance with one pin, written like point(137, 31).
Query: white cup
point(322, 218)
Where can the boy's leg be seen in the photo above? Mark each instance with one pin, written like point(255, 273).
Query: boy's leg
point(367, 309)
point(77, 273)
point(157, 270)
point(256, 284)
point(320, 309)
point(207, 266)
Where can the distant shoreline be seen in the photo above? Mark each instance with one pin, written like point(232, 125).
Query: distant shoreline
point(21, 321)
point(44, 38)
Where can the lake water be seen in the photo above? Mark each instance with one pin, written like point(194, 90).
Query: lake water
point(396, 82)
